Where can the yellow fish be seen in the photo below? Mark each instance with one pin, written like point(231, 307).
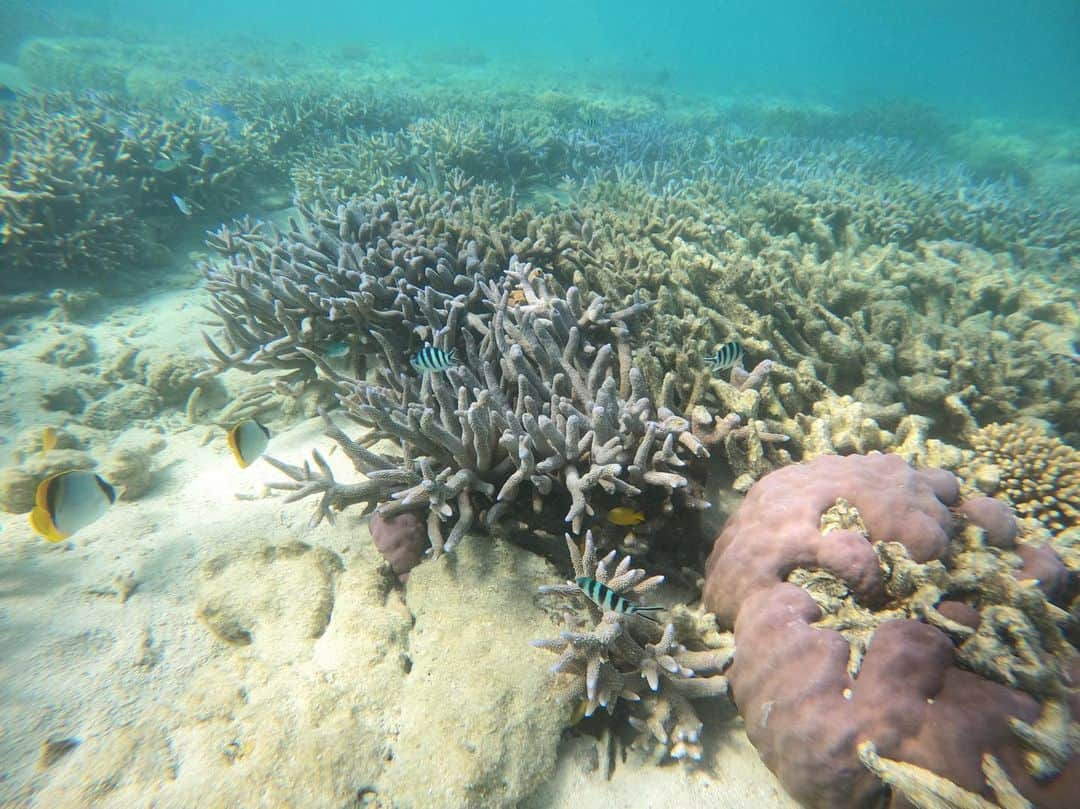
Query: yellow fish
point(622, 515)
point(248, 441)
point(68, 501)
point(49, 438)
point(579, 711)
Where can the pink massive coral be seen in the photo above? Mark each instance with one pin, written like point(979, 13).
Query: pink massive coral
point(811, 691)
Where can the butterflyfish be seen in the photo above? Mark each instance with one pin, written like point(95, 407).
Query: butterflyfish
point(622, 515)
point(430, 358)
point(68, 501)
point(607, 599)
point(726, 356)
point(248, 441)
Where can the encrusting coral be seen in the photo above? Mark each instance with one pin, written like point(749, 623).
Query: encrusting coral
point(625, 657)
point(1032, 470)
point(922, 619)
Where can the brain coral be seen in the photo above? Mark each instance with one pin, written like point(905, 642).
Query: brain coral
point(1034, 471)
point(864, 616)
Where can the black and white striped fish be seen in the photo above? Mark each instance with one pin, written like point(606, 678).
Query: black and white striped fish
point(607, 599)
point(726, 356)
point(430, 358)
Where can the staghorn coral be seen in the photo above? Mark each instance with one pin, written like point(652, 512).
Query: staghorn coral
point(339, 274)
point(59, 206)
point(1032, 470)
point(623, 654)
point(926, 790)
point(76, 167)
point(903, 331)
point(542, 423)
point(935, 645)
point(843, 288)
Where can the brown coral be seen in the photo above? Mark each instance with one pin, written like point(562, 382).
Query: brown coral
point(1037, 473)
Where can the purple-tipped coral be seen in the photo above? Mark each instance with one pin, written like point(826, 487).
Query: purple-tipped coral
point(402, 540)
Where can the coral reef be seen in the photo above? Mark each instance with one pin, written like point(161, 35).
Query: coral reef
point(59, 207)
point(74, 168)
point(623, 657)
point(1030, 469)
point(543, 423)
point(904, 331)
point(921, 636)
point(339, 273)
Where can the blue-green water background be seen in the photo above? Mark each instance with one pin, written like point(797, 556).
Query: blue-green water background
point(989, 57)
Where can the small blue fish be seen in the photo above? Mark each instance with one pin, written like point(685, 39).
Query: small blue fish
point(726, 356)
point(182, 204)
point(194, 86)
point(336, 350)
point(430, 358)
point(607, 599)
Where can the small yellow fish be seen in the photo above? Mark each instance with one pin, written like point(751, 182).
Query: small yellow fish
point(579, 711)
point(622, 515)
point(49, 438)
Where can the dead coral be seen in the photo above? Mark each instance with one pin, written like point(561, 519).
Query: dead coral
point(927, 790)
point(623, 654)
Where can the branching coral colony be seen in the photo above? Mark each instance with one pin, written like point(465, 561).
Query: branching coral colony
point(544, 410)
point(627, 657)
point(544, 424)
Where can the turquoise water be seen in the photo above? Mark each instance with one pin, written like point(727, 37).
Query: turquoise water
point(438, 404)
point(983, 57)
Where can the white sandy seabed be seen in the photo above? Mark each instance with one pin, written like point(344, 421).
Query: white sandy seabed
point(202, 646)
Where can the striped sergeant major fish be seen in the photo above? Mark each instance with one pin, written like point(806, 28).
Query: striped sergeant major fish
point(430, 358)
point(607, 599)
point(726, 356)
